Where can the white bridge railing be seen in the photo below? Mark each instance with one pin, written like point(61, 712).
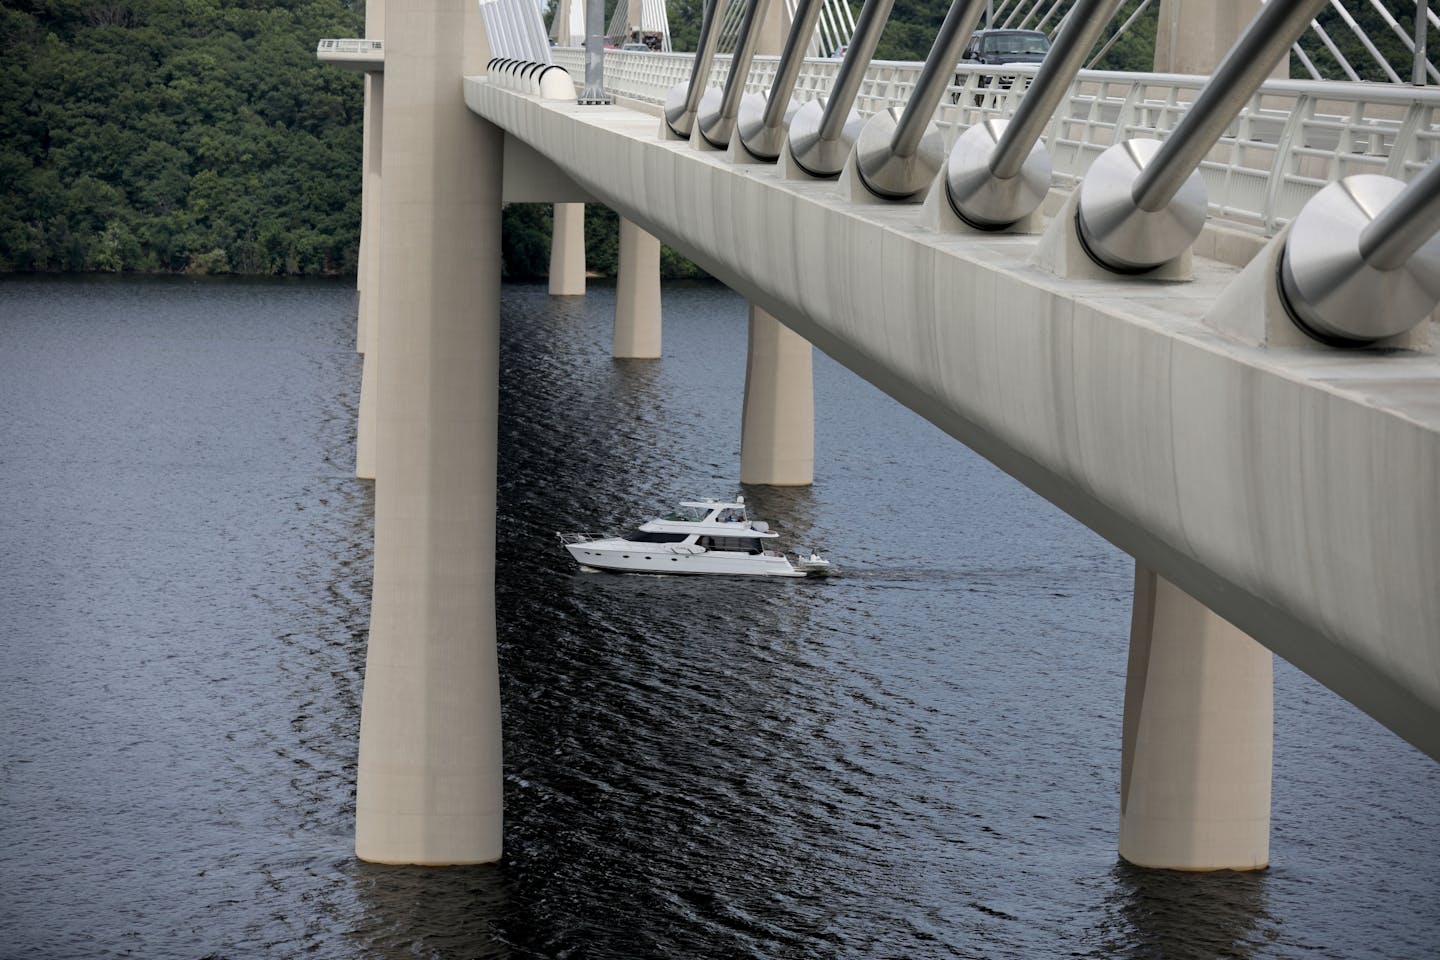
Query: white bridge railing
point(1293, 137)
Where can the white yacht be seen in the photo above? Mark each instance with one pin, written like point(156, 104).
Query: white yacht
point(701, 536)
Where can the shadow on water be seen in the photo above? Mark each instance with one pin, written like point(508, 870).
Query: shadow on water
point(790, 511)
point(1170, 915)
point(429, 911)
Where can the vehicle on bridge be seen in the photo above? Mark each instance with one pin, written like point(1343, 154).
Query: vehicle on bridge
point(994, 48)
point(700, 536)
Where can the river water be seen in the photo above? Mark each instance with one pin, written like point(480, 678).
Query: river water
point(917, 758)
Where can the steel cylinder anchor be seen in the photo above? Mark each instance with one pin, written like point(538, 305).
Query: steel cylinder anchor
point(1362, 260)
point(1142, 203)
point(999, 171)
point(763, 121)
point(682, 103)
point(717, 114)
point(822, 132)
point(898, 157)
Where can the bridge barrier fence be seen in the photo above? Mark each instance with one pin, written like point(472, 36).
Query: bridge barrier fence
point(350, 46)
point(1292, 138)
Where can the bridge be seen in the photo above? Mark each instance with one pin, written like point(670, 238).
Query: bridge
point(1195, 313)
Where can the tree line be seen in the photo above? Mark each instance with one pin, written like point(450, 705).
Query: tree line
point(177, 135)
point(203, 135)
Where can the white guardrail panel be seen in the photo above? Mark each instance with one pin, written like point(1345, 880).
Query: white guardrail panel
point(1294, 137)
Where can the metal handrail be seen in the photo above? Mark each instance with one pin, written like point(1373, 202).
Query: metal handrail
point(350, 46)
point(1292, 138)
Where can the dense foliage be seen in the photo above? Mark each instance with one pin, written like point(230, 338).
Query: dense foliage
point(161, 135)
point(203, 135)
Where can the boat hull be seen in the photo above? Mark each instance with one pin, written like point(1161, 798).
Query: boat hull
point(626, 557)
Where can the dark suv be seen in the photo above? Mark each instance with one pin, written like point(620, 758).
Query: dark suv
point(995, 47)
point(1006, 46)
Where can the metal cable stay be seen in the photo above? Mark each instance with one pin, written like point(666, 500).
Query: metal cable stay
point(641, 21)
point(647, 21)
point(1041, 15)
point(1142, 201)
point(836, 27)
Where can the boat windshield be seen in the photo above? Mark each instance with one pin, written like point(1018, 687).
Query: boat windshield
point(645, 536)
point(684, 514)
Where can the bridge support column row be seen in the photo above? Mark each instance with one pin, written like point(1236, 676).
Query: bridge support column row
point(428, 787)
point(567, 250)
point(777, 445)
point(777, 432)
point(637, 295)
point(1195, 764)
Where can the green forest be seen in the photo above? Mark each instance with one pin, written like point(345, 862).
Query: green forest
point(177, 135)
point(202, 136)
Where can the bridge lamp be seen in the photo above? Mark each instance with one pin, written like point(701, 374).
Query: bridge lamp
point(763, 121)
point(999, 172)
point(899, 157)
point(1142, 203)
point(682, 103)
point(823, 131)
point(1362, 261)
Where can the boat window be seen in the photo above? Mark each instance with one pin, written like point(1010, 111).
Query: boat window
point(645, 536)
point(731, 544)
point(685, 514)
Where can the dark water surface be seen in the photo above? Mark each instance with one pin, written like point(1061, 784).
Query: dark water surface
point(918, 758)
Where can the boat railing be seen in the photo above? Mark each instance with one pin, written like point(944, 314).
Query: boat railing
point(567, 537)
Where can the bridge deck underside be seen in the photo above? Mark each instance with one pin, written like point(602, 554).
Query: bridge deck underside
point(1295, 491)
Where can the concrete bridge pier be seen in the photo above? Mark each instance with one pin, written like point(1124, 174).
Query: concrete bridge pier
point(428, 787)
point(367, 273)
point(368, 338)
point(777, 432)
point(1195, 761)
point(567, 251)
point(637, 295)
point(777, 423)
point(367, 216)
point(1192, 36)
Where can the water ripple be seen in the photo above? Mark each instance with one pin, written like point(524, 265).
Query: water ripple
point(916, 758)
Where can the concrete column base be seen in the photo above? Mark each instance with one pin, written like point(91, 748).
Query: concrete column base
point(1251, 309)
point(637, 295)
point(567, 251)
point(777, 433)
point(1062, 253)
point(937, 214)
point(1195, 761)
